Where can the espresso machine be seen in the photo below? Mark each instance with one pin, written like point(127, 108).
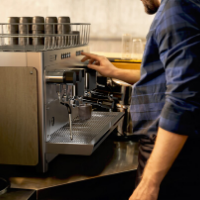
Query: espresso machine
point(42, 86)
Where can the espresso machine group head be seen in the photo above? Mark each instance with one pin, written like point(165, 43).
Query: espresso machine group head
point(69, 87)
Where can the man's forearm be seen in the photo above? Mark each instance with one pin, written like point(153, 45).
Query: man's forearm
point(129, 76)
point(167, 147)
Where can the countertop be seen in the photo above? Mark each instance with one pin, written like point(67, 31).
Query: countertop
point(111, 158)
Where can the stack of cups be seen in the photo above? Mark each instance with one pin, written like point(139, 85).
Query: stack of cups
point(50, 28)
point(63, 29)
point(25, 29)
point(13, 29)
point(38, 28)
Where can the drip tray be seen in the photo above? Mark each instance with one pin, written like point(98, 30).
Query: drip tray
point(87, 135)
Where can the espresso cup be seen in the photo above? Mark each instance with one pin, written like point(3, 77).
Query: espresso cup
point(24, 29)
point(85, 111)
point(13, 29)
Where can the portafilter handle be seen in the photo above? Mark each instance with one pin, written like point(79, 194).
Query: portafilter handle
point(112, 95)
point(104, 103)
point(62, 76)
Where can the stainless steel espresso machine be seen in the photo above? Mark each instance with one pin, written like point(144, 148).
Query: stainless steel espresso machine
point(42, 85)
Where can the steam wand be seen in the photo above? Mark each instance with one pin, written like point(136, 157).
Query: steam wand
point(70, 118)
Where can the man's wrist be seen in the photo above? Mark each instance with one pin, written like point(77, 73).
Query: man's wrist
point(151, 175)
point(151, 179)
point(116, 73)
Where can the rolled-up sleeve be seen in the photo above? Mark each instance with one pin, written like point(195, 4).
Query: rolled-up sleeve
point(178, 38)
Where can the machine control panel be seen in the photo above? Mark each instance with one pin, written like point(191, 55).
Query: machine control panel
point(65, 55)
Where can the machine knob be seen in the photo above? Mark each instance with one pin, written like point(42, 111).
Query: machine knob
point(69, 77)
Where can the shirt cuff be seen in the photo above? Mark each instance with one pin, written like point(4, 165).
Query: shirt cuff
point(180, 120)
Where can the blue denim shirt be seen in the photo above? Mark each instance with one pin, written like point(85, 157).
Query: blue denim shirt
point(168, 92)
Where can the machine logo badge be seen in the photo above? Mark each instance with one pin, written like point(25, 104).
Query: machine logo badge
point(52, 58)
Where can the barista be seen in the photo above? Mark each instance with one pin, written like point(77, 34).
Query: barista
point(165, 105)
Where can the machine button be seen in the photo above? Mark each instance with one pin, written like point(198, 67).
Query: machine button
point(78, 53)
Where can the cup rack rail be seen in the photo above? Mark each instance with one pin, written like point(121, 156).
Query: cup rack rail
point(22, 37)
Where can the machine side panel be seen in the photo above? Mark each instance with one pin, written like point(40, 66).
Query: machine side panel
point(18, 116)
point(36, 59)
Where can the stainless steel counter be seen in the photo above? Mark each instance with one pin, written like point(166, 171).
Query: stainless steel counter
point(18, 194)
point(111, 158)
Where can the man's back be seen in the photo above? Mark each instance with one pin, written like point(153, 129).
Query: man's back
point(167, 94)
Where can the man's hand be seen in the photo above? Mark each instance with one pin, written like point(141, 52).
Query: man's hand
point(100, 64)
point(167, 147)
point(146, 190)
point(107, 69)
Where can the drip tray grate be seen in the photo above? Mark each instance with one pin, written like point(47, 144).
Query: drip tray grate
point(83, 131)
point(86, 133)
